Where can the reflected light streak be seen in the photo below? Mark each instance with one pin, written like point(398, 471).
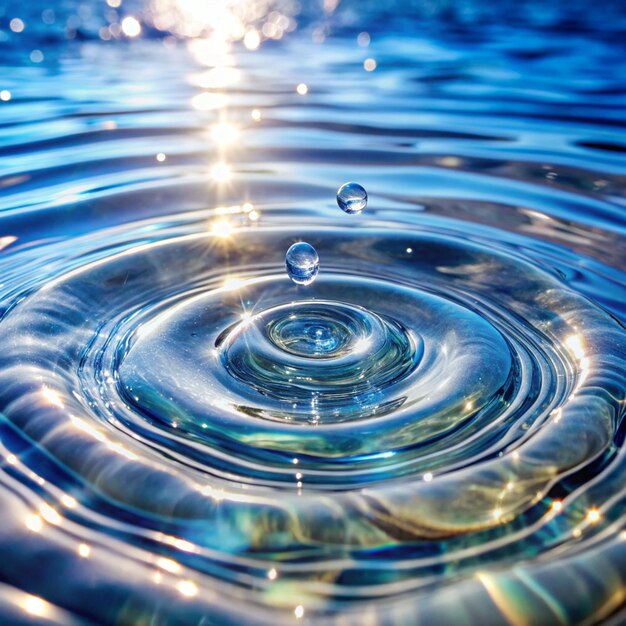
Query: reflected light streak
point(217, 78)
point(51, 397)
point(99, 436)
point(209, 101)
point(224, 133)
point(169, 565)
point(34, 523)
point(187, 588)
point(68, 501)
point(35, 606)
point(221, 172)
point(575, 345)
point(7, 240)
point(222, 229)
point(50, 515)
point(180, 544)
point(84, 550)
point(500, 599)
point(233, 282)
point(226, 20)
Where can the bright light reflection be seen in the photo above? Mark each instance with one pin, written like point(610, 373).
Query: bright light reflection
point(187, 588)
point(227, 20)
point(51, 397)
point(575, 344)
point(222, 228)
point(68, 501)
point(34, 523)
point(211, 52)
point(49, 514)
point(35, 606)
point(369, 65)
point(224, 133)
point(169, 565)
point(182, 544)
point(233, 282)
point(17, 25)
point(217, 78)
point(209, 101)
point(99, 436)
point(7, 240)
point(252, 39)
point(577, 348)
point(221, 172)
point(131, 27)
point(362, 345)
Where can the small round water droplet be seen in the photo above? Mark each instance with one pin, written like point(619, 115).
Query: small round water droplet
point(352, 198)
point(302, 263)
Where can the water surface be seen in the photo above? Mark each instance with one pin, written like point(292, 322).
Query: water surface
point(429, 433)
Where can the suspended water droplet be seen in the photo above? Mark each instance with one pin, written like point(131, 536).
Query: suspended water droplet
point(302, 263)
point(352, 198)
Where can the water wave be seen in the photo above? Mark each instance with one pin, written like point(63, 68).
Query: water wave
point(431, 432)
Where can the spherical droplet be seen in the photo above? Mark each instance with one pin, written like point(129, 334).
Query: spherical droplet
point(351, 198)
point(302, 263)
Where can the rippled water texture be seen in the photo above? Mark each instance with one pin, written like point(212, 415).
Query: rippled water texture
point(429, 433)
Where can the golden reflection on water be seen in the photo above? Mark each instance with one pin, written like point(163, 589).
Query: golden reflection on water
point(250, 21)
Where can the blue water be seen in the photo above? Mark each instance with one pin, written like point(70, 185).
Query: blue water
point(429, 433)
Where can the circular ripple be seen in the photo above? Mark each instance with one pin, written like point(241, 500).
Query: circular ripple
point(378, 366)
point(327, 353)
point(436, 435)
point(442, 401)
